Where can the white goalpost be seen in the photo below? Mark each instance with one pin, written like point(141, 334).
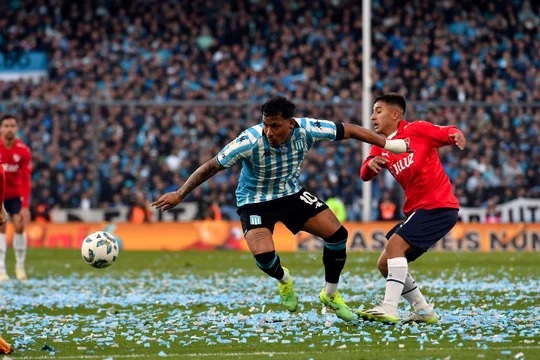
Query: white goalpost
point(366, 99)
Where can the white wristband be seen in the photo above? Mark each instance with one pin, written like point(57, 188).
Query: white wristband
point(396, 146)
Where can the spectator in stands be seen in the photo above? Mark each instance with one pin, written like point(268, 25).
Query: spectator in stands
point(40, 213)
point(140, 211)
point(476, 53)
point(492, 216)
point(214, 212)
point(387, 208)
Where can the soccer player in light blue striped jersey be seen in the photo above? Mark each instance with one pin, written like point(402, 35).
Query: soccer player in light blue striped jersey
point(268, 191)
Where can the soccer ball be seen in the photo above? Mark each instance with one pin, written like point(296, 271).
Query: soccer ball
point(99, 249)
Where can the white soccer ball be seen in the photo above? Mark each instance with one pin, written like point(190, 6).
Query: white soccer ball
point(99, 249)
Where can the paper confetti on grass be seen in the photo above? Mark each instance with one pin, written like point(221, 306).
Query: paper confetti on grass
point(164, 312)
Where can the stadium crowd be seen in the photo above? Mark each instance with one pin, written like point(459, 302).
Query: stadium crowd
point(475, 65)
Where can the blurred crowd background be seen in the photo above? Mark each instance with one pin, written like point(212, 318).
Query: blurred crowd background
point(103, 133)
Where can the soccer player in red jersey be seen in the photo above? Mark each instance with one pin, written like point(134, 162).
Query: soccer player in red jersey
point(16, 161)
point(430, 205)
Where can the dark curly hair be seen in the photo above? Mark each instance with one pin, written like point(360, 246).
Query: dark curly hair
point(278, 105)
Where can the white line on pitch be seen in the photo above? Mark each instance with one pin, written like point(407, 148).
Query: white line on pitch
point(242, 354)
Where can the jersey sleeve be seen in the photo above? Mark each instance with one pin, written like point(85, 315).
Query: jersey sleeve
point(438, 135)
point(234, 151)
point(366, 174)
point(318, 130)
point(26, 174)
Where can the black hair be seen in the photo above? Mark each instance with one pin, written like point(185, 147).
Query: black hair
point(8, 116)
point(393, 99)
point(278, 105)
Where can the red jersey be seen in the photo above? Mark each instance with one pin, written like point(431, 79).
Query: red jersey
point(420, 173)
point(17, 165)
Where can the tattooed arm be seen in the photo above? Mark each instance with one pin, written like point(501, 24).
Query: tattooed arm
point(203, 173)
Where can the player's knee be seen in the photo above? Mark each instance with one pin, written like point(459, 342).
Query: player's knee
point(18, 226)
point(382, 265)
point(338, 240)
point(259, 240)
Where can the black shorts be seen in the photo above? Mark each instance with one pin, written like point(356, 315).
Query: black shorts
point(423, 228)
point(293, 211)
point(13, 206)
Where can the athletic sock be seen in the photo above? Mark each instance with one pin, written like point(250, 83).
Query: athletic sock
point(19, 244)
point(330, 288)
point(334, 262)
point(412, 294)
point(2, 253)
point(397, 273)
point(269, 262)
point(285, 277)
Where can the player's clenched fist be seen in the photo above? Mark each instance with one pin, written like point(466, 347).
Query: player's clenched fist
point(377, 163)
point(459, 139)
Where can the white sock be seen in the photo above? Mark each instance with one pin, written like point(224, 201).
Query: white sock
point(412, 294)
point(19, 244)
point(397, 273)
point(3, 253)
point(330, 289)
point(285, 277)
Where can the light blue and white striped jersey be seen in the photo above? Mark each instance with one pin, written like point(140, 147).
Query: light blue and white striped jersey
point(270, 173)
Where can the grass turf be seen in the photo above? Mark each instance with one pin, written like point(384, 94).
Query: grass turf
point(216, 305)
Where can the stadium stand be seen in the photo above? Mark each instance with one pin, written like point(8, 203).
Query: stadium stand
point(100, 128)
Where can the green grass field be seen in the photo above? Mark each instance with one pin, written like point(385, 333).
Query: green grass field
point(218, 305)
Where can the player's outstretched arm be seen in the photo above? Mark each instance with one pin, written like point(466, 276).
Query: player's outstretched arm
point(362, 134)
point(203, 173)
